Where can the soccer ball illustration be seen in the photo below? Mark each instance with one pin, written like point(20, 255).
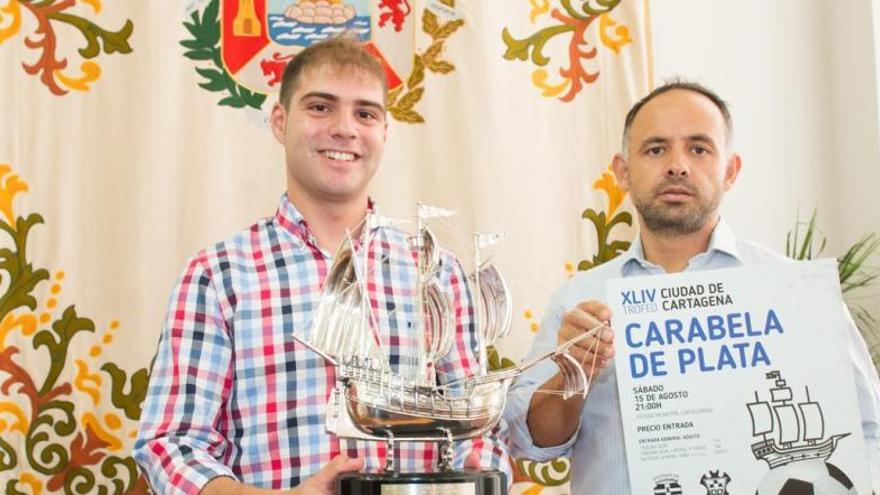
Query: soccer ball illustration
point(809, 477)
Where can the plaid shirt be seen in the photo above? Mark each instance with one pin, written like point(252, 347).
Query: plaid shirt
point(233, 394)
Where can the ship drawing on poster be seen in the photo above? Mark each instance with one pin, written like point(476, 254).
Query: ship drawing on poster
point(789, 431)
point(793, 444)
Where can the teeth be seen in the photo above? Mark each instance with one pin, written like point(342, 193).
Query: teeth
point(339, 155)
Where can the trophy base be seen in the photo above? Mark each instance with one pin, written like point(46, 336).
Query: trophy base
point(452, 483)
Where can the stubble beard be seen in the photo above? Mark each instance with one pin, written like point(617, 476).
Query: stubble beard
point(665, 219)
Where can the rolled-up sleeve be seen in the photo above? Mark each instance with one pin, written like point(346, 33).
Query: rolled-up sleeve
point(181, 442)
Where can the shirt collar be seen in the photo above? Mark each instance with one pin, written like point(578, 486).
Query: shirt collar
point(291, 220)
point(722, 240)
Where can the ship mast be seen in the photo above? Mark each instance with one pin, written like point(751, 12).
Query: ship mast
point(478, 307)
point(421, 364)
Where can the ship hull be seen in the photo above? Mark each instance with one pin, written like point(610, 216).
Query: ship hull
point(421, 414)
point(377, 405)
point(775, 455)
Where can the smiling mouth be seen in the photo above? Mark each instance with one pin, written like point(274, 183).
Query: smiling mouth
point(342, 156)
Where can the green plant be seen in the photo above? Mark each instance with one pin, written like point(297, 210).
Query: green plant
point(805, 241)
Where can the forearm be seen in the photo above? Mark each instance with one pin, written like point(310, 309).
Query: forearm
point(551, 419)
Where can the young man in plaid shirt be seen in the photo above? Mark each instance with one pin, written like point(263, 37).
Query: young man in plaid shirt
point(235, 404)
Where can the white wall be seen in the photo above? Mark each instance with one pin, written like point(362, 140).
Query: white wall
point(800, 76)
point(856, 165)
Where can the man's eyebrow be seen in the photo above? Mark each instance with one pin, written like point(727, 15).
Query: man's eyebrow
point(331, 97)
point(370, 103)
point(653, 140)
point(702, 138)
point(698, 138)
point(318, 94)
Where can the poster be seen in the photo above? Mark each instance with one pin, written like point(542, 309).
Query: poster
point(735, 381)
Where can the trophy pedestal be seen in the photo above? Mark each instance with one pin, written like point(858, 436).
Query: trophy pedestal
point(446, 483)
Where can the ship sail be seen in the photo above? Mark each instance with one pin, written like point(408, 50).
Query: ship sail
point(424, 243)
point(789, 427)
point(342, 325)
point(434, 325)
point(814, 423)
point(437, 316)
point(496, 305)
point(780, 394)
point(762, 419)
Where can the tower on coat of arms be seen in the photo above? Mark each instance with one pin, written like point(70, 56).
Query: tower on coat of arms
point(246, 22)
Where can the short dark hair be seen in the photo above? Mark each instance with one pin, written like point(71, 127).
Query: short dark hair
point(694, 87)
point(344, 51)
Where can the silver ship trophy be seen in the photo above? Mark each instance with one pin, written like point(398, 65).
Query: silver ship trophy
point(372, 402)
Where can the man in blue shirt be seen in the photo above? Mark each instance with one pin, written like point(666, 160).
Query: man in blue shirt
point(676, 164)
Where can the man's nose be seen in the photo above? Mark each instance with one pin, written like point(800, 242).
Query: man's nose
point(344, 125)
point(678, 165)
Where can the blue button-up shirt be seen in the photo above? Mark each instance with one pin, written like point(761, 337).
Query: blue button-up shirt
point(598, 462)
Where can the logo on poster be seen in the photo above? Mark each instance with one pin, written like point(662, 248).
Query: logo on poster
point(715, 483)
point(667, 484)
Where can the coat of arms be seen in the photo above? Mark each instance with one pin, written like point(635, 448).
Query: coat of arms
point(242, 46)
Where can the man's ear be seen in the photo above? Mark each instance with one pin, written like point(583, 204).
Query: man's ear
point(621, 172)
point(278, 122)
point(731, 172)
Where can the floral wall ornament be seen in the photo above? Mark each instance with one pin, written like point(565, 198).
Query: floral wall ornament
point(402, 100)
point(49, 15)
point(57, 434)
point(605, 221)
point(572, 23)
point(555, 472)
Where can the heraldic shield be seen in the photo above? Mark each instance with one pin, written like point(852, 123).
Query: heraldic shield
point(259, 37)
